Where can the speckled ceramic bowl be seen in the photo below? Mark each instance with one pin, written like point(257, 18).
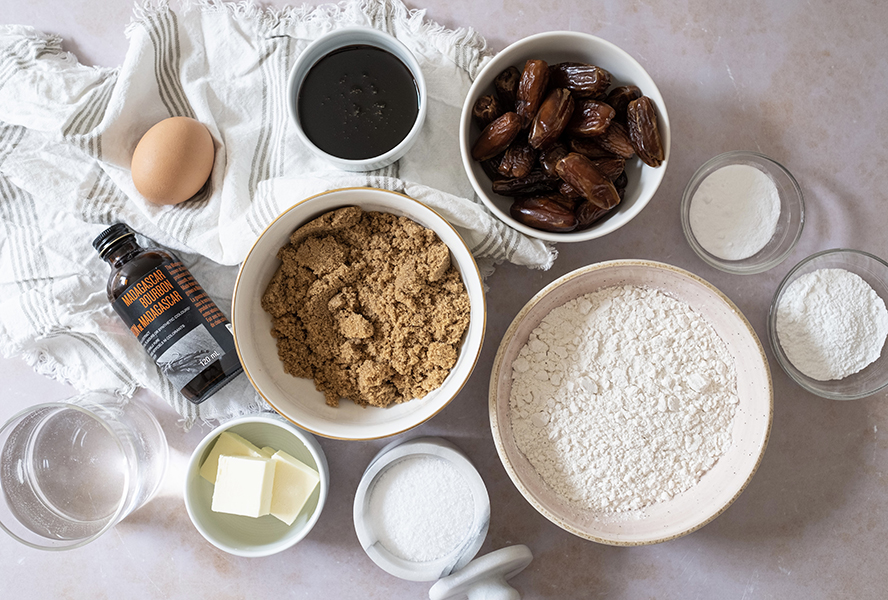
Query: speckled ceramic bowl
point(721, 485)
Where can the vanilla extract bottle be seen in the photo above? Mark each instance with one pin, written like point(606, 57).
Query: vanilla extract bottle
point(174, 319)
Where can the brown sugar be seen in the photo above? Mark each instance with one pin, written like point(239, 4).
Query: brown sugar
point(368, 305)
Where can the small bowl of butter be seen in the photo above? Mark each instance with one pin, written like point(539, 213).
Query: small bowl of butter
point(256, 485)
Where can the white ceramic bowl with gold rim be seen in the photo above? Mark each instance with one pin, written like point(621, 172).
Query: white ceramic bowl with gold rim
point(720, 486)
point(296, 398)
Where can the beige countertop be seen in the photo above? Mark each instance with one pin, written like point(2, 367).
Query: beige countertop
point(803, 82)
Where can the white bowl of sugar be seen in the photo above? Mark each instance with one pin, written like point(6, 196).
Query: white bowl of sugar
point(421, 509)
point(742, 212)
point(422, 512)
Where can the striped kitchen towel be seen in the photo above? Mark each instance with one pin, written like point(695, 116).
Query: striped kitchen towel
point(67, 133)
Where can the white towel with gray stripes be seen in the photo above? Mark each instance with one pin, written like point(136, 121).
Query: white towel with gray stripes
point(67, 133)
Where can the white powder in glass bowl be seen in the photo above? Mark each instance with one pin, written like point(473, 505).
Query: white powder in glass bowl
point(623, 398)
point(734, 211)
point(831, 324)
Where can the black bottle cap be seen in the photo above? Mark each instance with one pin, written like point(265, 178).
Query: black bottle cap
point(107, 238)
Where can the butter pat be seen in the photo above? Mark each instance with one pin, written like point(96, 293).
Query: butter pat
point(294, 481)
point(244, 485)
point(229, 444)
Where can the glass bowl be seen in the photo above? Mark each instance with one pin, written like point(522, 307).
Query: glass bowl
point(789, 223)
point(872, 378)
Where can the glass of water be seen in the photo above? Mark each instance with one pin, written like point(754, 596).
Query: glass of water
point(71, 470)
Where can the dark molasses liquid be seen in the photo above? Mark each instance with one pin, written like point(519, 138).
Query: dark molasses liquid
point(358, 102)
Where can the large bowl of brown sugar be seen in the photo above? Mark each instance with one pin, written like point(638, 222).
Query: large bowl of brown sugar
point(358, 313)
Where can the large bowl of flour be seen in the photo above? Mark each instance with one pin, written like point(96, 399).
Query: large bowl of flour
point(630, 402)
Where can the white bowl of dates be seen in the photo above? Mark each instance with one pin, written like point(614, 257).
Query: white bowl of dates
point(358, 313)
point(742, 212)
point(360, 132)
point(564, 136)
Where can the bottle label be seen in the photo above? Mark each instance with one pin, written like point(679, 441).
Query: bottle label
point(179, 326)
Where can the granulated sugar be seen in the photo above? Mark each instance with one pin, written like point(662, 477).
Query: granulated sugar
point(622, 398)
point(422, 507)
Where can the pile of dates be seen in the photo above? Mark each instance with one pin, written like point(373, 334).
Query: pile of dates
point(556, 138)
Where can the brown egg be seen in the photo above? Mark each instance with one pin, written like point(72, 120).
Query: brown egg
point(173, 160)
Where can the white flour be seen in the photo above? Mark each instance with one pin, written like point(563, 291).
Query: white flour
point(734, 211)
point(831, 324)
point(623, 398)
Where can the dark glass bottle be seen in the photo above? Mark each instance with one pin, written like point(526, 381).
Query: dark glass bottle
point(179, 326)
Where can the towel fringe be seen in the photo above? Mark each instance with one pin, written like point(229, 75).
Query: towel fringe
point(46, 365)
point(388, 15)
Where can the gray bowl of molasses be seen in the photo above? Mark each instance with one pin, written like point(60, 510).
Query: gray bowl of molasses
point(358, 98)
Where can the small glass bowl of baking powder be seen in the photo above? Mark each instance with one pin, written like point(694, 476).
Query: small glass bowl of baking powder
point(742, 212)
point(828, 324)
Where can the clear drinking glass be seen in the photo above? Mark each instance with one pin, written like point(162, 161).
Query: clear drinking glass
point(71, 470)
